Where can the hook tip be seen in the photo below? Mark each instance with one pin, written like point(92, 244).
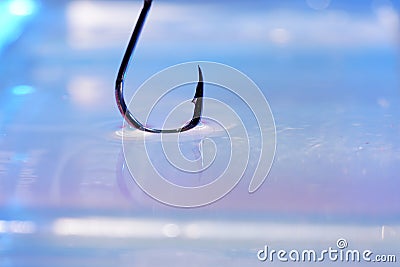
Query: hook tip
point(200, 74)
point(199, 88)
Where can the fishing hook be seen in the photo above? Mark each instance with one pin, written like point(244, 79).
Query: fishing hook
point(119, 84)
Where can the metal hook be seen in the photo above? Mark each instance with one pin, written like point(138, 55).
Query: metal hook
point(119, 84)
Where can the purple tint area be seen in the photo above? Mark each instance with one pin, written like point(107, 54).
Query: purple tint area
point(329, 70)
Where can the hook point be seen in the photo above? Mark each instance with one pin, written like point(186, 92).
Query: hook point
point(200, 86)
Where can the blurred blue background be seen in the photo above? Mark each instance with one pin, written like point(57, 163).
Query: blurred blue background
point(329, 70)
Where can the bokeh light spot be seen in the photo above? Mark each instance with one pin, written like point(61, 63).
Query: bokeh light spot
point(23, 90)
point(22, 7)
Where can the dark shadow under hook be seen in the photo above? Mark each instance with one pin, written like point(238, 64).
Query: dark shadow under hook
point(119, 84)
